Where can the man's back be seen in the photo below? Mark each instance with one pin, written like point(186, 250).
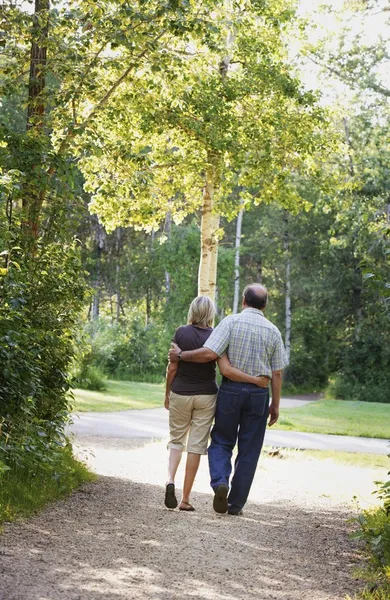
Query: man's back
point(252, 342)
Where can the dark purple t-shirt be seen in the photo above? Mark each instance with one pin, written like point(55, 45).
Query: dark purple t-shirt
point(193, 378)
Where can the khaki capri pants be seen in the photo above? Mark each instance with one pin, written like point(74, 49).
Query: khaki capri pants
point(190, 419)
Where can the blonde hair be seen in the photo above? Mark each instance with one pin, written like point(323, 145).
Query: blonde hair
point(201, 312)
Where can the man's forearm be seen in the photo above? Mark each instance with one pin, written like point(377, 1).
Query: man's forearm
point(201, 355)
point(276, 387)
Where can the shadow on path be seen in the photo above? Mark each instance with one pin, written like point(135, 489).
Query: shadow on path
point(114, 539)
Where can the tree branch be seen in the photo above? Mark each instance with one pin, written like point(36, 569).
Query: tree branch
point(107, 96)
point(375, 87)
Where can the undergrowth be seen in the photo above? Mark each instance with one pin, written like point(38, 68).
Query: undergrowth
point(374, 531)
point(28, 486)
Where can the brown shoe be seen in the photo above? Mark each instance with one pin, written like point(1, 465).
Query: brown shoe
point(170, 498)
point(220, 503)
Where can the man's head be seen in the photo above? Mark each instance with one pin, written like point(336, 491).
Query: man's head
point(255, 296)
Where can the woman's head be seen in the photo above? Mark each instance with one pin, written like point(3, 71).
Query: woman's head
point(201, 312)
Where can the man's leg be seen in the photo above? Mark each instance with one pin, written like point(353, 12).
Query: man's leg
point(250, 441)
point(224, 434)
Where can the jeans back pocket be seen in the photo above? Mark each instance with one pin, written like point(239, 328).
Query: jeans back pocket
point(259, 403)
point(227, 401)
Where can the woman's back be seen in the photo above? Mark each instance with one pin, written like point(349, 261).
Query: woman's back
point(194, 378)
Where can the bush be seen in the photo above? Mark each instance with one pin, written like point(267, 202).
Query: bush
point(365, 363)
point(89, 378)
point(374, 389)
point(374, 531)
point(131, 351)
point(41, 296)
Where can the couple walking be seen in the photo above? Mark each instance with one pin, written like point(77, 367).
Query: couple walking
point(249, 351)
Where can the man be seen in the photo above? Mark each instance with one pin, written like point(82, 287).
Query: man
point(255, 346)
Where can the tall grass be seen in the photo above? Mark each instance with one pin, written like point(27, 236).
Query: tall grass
point(27, 488)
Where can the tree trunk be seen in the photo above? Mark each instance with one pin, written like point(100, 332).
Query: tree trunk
point(100, 239)
point(33, 196)
point(207, 278)
point(259, 270)
point(148, 306)
point(237, 262)
point(38, 59)
point(96, 301)
point(167, 231)
point(287, 287)
point(117, 274)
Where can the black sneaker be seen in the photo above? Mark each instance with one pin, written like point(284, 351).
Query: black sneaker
point(170, 498)
point(220, 503)
point(237, 513)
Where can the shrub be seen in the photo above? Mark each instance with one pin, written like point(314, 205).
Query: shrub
point(89, 378)
point(41, 296)
point(365, 363)
point(131, 351)
point(374, 531)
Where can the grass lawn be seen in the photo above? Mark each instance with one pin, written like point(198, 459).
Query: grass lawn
point(120, 395)
point(341, 417)
point(353, 459)
point(362, 419)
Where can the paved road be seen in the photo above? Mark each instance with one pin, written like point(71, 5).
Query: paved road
point(153, 424)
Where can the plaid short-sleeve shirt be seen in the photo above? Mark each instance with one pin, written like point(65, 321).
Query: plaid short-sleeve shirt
point(253, 343)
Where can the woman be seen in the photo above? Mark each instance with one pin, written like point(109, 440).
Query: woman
point(190, 397)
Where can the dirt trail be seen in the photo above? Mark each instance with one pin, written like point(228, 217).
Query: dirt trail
point(114, 539)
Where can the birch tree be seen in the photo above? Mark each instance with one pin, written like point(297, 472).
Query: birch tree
point(237, 261)
point(204, 128)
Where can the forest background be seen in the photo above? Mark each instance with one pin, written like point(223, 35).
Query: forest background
point(153, 150)
point(139, 140)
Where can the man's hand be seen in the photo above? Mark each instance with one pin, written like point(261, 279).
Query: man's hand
point(273, 412)
point(174, 352)
point(166, 403)
point(262, 381)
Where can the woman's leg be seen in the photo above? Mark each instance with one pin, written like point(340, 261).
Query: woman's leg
point(202, 417)
point(180, 410)
point(192, 467)
point(173, 463)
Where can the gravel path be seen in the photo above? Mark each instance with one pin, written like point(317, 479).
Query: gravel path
point(115, 540)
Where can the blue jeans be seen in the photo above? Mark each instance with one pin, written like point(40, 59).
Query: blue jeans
point(241, 415)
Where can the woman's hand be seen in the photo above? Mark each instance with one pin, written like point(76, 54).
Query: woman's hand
point(262, 381)
point(166, 403)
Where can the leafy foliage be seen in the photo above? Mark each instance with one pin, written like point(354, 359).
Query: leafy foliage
point(374, 531)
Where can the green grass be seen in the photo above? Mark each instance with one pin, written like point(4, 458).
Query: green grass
point(25, 490)
point(120, 395)
point(353, 459)
point(341, 417)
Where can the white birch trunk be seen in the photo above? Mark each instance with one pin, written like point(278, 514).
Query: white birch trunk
point(237, 262)
point(167, 231)
point(207, 277)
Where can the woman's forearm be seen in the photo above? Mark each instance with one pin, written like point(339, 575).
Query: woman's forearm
point(237, 375)
point(170, 376)
point(234, 374)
